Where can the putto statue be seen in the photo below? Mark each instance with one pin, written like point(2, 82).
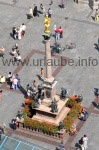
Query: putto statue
point(47, 24)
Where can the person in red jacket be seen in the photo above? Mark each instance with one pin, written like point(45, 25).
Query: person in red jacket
point(58, 33)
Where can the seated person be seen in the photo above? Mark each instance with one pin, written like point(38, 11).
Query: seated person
point(84, 111)
point(82, 117)
point(73, 130)
point(61, 146)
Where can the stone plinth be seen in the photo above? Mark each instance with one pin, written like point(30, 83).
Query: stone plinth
point(43, 113)
point(49, 91)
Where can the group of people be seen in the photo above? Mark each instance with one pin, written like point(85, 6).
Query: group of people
point(58, 32)
point(83, 142)
point(13, 80)
point(32, 88)
point(17, 33)
point(16, 53)
point(35, 12)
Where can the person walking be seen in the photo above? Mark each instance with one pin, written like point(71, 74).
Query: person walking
point(63, 4)
point(35, 11)
point(42, 73)
point(30, 13)
point(2, 51)
point(51, 3)
point(23, 29)
point(85, 141)
point(81, 143)
point(49, 13)
point(15, 82)
point(42, 9)
point(0, 94)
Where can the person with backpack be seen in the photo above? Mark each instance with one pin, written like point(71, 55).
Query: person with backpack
point(81, 143)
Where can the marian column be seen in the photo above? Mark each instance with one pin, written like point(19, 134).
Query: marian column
point(49, 83)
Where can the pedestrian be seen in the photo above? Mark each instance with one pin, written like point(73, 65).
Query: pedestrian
point(85, 141)
point(17, 77)
point(55, 27)
point(42, 9)
point(34, 85)
point(61, 146)
point(35, 11)
point(42, 73)
point(81, 143)
point(98, 101)
point(0, 133)
point(63, 4)
point(14, 33)
point(96, 15)
point(15, 83)
point(61, 32)
point(76, 1)
point(10, 79)
point(49, 12)
point(57, 34)
point(30, 15)
point(0, 94)
point(27, 87)
point(2, 51)
point(19, 33)
point(23, 29)
point(4, 126)
point(51, 3)
point(14, 124)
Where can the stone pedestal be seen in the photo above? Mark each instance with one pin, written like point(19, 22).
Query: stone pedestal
point(49, 91)
point(44, 114)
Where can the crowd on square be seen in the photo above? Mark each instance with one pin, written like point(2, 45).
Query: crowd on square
point(14, 81)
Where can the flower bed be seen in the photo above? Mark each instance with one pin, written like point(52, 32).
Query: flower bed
point(44, 126)
point(73, 114)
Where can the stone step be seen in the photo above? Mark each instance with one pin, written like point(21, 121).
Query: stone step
point(63, 113)
point(56, 120)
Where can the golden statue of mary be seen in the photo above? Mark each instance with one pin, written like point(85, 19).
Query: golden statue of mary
point(47, 24)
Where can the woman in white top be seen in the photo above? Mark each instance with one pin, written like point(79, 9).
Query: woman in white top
point(85, 140)
point(31, 12)
point(23, 29)
point(19, 33)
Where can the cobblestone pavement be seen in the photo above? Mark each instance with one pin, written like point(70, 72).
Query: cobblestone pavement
point(79, 28)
